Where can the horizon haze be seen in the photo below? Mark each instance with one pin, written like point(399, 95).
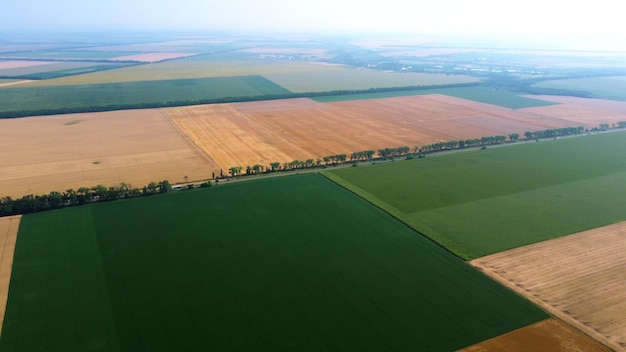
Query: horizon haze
point(577, 26)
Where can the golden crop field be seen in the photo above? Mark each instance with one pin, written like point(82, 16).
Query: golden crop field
point(578, 278)
point(8, 236)
point(55, 153)
point(245, 134)
point(550, 335)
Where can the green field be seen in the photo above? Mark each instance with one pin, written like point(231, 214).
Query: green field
point(133, 94)
point(483, 202)
point(481, 94)
point(336, 77)
point(48, 67)
point(600, 87)
point(59, 69)
point(201, 66)
point(289, 263)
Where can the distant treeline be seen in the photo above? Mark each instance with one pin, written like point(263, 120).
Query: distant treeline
point(72, 71)
point(528, 85)
point(178, 103)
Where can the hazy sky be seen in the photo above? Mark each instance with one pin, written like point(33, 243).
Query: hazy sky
point(530, 17)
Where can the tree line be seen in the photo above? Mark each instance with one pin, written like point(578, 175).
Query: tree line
point(84, 195)
point(223, 100)
point(415, 151)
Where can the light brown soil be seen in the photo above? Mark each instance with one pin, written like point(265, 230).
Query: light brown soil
point(245, 134)
point(8, 236)
point(580, 278)
point(152, 57)
point(588, 112)
point(15, 83)
point(55, 153)
point(5, 65)
point(550, 335)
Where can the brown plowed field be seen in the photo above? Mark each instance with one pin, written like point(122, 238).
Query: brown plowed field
point(589, 112)
point(55, 153)
point(550, 335)
point(6, 65)
point(580, 278)
point(244, 134)
point(8, 235)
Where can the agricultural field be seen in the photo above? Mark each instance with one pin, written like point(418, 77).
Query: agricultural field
point(338, 77)
point(55, 153)
point(481, 94)
point(42, 70)
point(114, 96)
point(8, 236)
point(579, 278)
point(550, 335)
point(589, 112)
point(65, 55)
point(601, 87)
point(285, 130)
point(258, 265)
point(6, 65)
point(7, 82)
point(488, 201)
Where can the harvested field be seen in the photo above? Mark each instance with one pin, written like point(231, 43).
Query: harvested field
point(8, 236)
point(284, 130)
point(579, 278)
point(550, 335)
point(82, 150)
point(152, 57)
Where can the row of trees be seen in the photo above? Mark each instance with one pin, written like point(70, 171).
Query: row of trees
point(468, 143)
point(162, 104)
point(83, 195)
point(393, 152)
point(557, 132)
point(416, 151)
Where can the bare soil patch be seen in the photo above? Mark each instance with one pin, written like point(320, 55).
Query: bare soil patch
point(55, 153)
point(550, 335)
point(579, 278)
point(8, 236)
point(6, 65)
point(588, 112)
point(152, 57)
point(245, 134)
point(15, 83)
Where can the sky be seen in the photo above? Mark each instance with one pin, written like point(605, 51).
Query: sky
point(531, 18)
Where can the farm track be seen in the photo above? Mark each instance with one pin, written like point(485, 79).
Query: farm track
point(8, 236)
point(579, 278)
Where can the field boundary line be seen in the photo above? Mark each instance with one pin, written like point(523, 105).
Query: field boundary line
point(193, 144)
point(9, 227)
point(566, 318)
point(397, 217)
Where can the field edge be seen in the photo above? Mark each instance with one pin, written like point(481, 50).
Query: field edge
point(9, 228)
